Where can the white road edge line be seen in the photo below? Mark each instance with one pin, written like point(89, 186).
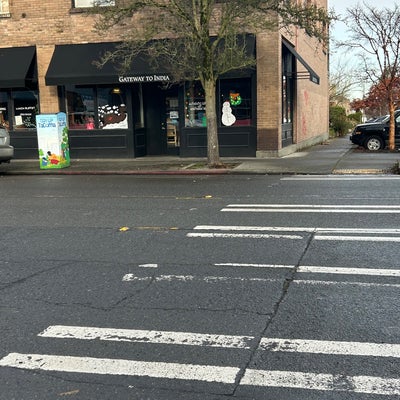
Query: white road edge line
point(104, 366)
point(147, 336)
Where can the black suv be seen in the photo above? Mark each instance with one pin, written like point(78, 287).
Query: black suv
point(374, 135)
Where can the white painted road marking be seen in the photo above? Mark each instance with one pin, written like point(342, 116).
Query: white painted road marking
point(296, 229)
point(325, 382)
point(190, 278)
point(105, 366)
point(244, 236)
point(349, 271)
point(331, 347)
point(205, 373)
point(359, 238)
point(320, 269)
point(349, 234)
point(223, 341)
point(349, 177)
point(254, 265)
point(312, 208)
point(146, 336)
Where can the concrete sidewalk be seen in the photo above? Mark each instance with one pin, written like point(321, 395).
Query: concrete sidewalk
point(336, 156)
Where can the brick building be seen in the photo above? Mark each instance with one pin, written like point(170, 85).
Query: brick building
point(47, 66)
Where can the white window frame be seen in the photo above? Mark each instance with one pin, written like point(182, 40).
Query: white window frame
point(4, 8)
point(92, 3)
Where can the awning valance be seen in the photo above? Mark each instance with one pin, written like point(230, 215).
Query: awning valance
point(75, 64)
point(309, 73)
point(17, 67)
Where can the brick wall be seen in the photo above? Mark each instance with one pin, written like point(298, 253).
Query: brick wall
point(268, 91)
point(44, 24)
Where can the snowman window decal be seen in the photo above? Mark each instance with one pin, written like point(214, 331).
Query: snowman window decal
point(228, 118)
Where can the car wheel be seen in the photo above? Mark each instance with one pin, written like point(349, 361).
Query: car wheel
point(373, 143)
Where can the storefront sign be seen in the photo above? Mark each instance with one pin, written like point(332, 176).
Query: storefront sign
point(144, 78)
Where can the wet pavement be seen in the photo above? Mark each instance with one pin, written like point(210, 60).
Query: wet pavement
point(335, 156)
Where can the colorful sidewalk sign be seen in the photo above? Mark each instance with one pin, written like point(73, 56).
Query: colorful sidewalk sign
point(52, 134)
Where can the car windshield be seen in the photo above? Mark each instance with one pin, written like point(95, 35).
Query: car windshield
point(382, 118)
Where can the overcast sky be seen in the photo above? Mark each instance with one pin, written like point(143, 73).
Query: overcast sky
point(338, 58)
point(340, 6)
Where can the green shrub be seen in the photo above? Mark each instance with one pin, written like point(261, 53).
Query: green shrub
point(339, 122)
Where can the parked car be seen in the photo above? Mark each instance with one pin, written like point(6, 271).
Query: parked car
point(6, 151)
point(374, 135)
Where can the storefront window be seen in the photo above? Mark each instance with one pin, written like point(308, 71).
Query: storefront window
point(25, 108)
point(235, 98)
point(80, 107)
point(100, 107)
point(4, 109)
point(195, 105)
point(112, 108)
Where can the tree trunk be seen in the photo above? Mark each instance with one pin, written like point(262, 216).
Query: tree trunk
point(391, 145)
point(212, 126)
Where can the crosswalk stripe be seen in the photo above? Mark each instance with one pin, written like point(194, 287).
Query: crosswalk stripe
point(191, 278)
point(349, 271)
point(320, 230)
point(312, 208)
point(358, 238)
point(344, 283)
point(331, 347)
point(147, 336)
point(320, 269)
point(105, 366)
point(324, 382)
point(205, 373)
point(223, 341)
point(254, 265)
point(254, 228)
point(340, 177)
point(244, 235)
point(316, 206)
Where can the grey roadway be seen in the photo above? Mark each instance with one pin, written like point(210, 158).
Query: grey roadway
point(335, 156)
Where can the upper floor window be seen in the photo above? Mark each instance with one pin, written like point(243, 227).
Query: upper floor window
point(92, 3)
point(4, 8)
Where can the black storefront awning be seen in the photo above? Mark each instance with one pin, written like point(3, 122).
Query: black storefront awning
point(309, 73)
point(75, 64)
point(17, 67)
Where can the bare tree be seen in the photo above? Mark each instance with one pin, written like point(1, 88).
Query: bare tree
point(375, 34)
point(192, 55)
point(341, 83)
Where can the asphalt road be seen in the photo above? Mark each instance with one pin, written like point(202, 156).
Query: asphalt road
point(199, 287)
